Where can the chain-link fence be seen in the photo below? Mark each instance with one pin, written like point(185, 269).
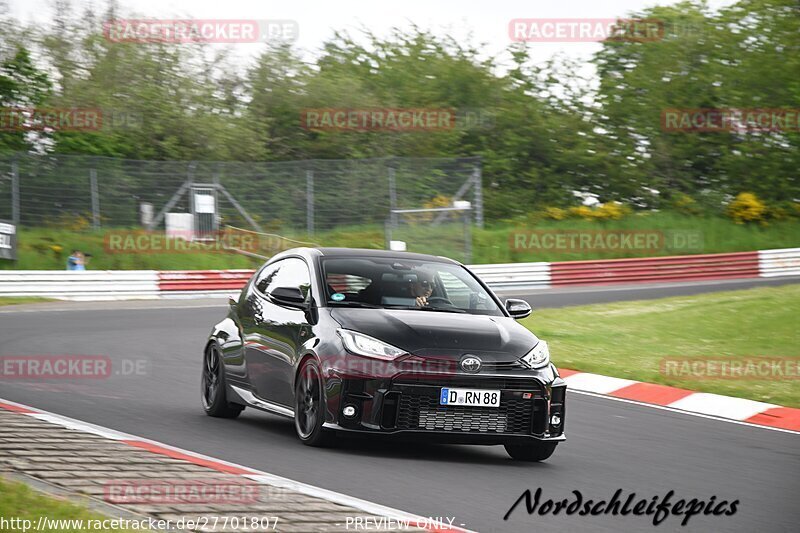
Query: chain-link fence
point(442, 231)
point(77, 192)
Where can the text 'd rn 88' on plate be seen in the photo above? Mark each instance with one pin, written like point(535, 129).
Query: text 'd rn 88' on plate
point(470, 397)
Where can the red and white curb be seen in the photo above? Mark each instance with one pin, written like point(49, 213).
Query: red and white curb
point(258, 476)
point(697, 403)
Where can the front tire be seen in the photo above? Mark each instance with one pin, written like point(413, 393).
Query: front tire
point(213, 392)
point(309, 406)
point(537, 451)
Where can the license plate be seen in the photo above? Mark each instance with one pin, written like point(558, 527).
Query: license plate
point(471, 397)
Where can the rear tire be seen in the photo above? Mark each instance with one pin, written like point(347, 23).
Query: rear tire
point(537, 451)
point(212, 387)
point(309, 407)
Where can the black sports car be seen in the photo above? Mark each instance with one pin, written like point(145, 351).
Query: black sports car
point(377, 342)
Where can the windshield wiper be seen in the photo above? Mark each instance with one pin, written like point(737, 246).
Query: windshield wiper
point(416, 308)
point(354, 304)
point(365, 305)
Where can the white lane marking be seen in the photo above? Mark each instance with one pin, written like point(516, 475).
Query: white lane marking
point(596, 382)
point(722, 406)
point(565, 289)
point(257, 475)
point(71, 423)
point(221, 305)
point(682, 412)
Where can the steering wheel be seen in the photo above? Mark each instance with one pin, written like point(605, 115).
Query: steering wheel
point(440, 299)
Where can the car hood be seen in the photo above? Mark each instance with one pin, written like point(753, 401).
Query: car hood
point(429, 333)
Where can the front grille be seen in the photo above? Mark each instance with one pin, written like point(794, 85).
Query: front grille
point(500, 367)
point(424, 413)
point(461, 420)
point(473, 382)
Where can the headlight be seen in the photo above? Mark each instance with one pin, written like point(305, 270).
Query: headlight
point(538, 357)
point(361, 344)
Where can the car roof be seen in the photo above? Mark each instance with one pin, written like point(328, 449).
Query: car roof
point(366, 252)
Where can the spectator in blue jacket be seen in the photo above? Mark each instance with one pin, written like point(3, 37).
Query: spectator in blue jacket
point(76, 261)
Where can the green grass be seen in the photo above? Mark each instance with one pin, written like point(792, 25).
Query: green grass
point(629, 339)
point(17, 300)
point(17, 500)
point(494, 243)
point(716, 235)
point(48, 249)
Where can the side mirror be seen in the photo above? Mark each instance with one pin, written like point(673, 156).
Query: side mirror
point(288, 296)
point(518, 308)
point(232, 301)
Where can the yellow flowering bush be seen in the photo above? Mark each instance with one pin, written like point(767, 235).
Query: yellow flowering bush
point(555, 213)
point(611, 210)
point(683, 203)
point(746, 207)
point(582, 211)
point(606, 211)
point(440, 200)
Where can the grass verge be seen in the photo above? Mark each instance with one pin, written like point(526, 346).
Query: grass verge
point(630, 339)
point(48, 248)
point(18, 501)
point(16, 300)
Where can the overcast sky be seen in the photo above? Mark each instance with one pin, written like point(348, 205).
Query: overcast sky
point(486, 20)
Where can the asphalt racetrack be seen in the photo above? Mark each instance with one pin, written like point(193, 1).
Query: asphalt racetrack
point(156, 349)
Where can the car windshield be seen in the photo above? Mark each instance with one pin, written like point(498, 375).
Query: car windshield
point(399, 283)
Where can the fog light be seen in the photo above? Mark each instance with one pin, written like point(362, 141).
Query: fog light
point(555, 420)
point(349, 411)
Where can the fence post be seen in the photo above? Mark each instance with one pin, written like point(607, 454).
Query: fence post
point(15, 191)
point(310, 202)
point(467, 237)
point(216, 181)
point(387, 231)
point(190, 173)
point(95, 199)
point(392, 196)
point(192, 207)
point(477, 192)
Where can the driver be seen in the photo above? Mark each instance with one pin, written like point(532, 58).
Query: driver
point(422, 288)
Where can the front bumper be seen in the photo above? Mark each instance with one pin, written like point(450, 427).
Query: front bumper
point(407, 405)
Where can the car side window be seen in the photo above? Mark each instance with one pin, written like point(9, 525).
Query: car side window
point(290, 272)
point(265, 278)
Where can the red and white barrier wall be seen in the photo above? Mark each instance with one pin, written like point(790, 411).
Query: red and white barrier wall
point(133, 284)
point(178, 282)
point(655, 269)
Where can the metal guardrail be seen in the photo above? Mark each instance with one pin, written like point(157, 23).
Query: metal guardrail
point(80, 285)
point(514, 275)
point(132, 284)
